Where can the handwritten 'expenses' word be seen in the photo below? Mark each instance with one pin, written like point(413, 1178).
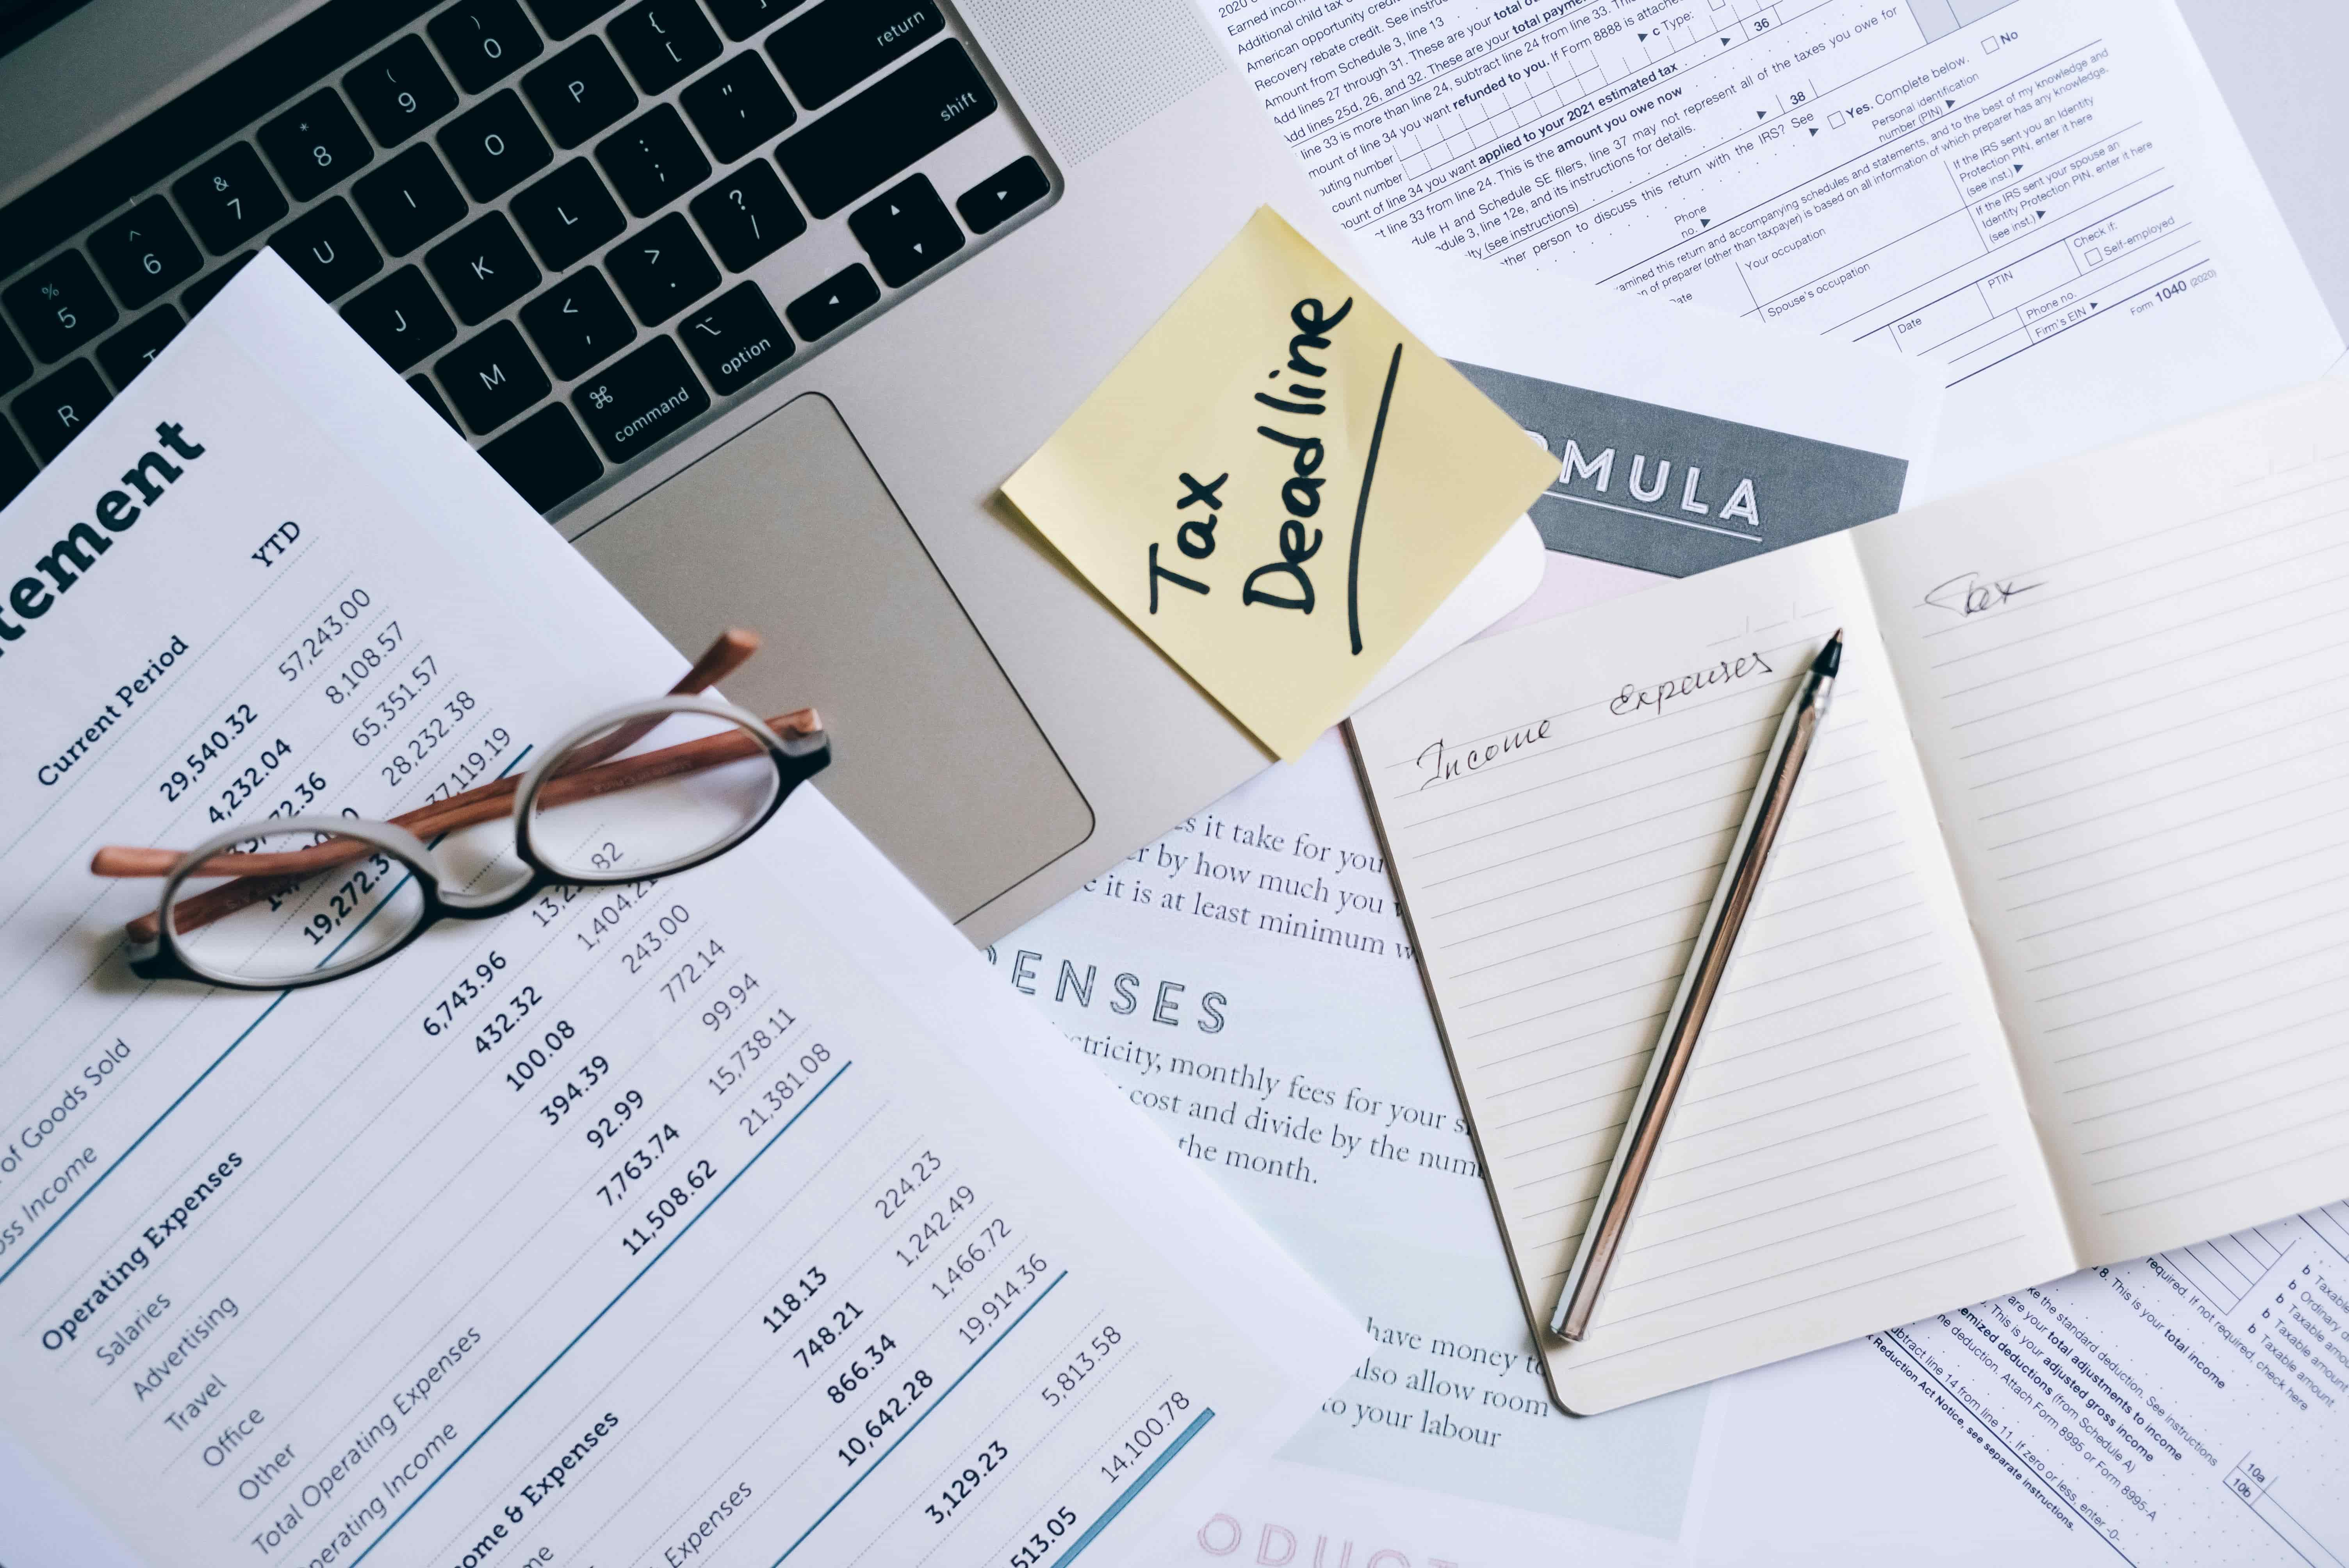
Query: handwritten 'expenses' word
point(1635, 700)
point(1300, 492)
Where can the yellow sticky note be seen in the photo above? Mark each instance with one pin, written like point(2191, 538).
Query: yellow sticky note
point(1279, 484)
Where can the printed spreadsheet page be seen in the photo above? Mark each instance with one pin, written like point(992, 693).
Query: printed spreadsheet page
point(739, 1215)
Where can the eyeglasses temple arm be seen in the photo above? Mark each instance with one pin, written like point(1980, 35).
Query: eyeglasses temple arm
point(729, 653)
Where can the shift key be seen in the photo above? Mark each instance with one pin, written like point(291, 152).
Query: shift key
point(886, 130)
point(640, 399)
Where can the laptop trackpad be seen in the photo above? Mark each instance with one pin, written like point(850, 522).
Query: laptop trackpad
point(787, 529)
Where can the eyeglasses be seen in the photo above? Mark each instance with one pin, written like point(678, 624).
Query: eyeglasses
point(301, 899)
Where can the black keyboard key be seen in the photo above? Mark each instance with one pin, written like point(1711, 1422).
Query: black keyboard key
point(132, 349)
point(1010, 189)
point(545, 458)
point(17, 465)
point(491, 377)
point(737, 106)
point(144, 252)
point(578, 323)
point(662, 269)
point(482, 268)
point(828, 307)
point(841, 42)
point(568, 214)
point(199, 293)
point(289, 63)
point(747, 215)
point(230, 198)
point(410, 200)
point(314, 144)
point(326, 246)
point(561, 18)
point(740, 18)
point(664, 42)
point(495, 146)
point(401, 318)
point(54, 409)
point(422, 386)
point(887, 128)
point(641, 400)
point(59, 305)
point(907, 231)
point(400, 91)
point(735, 339)
point(14, 364)
point(579, 92)
point(653, 160)
point(482, 40)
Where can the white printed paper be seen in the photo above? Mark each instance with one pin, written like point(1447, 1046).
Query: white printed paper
point(2184, 1409)
point(734, 1218)
point(2044, 200)
point(1442, 1446)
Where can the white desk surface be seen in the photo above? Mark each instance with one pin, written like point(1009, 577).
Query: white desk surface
point(2278, 61)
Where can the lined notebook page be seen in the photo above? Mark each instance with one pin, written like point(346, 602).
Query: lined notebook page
point(2129, 677)
point(1850, 1149)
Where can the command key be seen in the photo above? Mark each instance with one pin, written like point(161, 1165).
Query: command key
point(640, 399)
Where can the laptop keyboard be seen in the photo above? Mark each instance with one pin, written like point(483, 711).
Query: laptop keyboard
point(578, 228)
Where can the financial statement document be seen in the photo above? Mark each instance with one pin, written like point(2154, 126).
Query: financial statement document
point(732, 1218)
point(2046, 199)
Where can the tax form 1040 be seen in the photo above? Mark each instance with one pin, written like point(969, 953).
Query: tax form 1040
point(2044, 199)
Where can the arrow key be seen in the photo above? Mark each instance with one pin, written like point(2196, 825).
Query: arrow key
point(833, 304)
point(1011, 188)
point(907, 231)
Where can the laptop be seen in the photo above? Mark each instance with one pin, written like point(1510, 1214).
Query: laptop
point(758, 301)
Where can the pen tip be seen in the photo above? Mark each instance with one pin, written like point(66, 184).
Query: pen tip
point(1831, 658)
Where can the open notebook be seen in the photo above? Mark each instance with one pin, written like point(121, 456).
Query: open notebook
point(2052, 965)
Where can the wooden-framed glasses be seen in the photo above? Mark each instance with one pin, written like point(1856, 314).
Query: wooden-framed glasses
point(640, 791)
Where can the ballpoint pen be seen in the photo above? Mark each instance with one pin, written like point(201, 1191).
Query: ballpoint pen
point(1740, 878)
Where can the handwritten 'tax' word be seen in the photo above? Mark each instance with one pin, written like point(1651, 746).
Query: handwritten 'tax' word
point(1970, 595)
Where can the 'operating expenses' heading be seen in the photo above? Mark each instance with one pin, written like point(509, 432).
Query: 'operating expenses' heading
point(157, 1235)
point(50, 576)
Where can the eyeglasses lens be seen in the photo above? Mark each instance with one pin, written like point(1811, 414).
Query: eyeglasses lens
point(315, 906)
point(603, 818)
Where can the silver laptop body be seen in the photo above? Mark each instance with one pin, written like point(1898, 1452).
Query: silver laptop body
point(816, 456)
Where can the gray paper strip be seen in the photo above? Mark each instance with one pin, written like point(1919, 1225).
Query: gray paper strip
point(1665, 490)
